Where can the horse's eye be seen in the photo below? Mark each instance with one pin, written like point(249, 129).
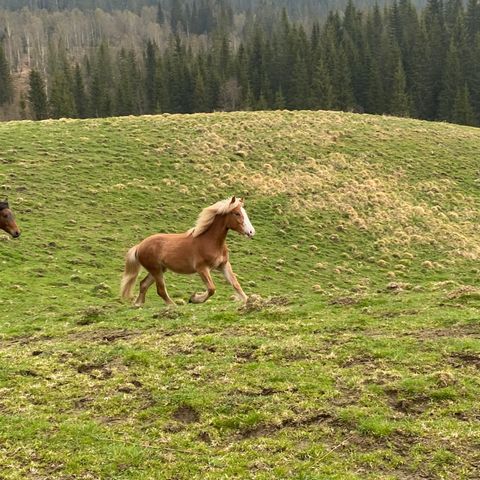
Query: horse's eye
point(237, 214)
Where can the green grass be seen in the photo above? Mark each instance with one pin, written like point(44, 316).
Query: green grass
point(360, 359)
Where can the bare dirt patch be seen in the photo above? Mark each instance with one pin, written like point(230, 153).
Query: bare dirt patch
point(104, 335)
point(416, 404)
point(359, 360)
point(344, 301)
point(465, 359)
point(456, 331)
point(263, 392)
point(96, 371)
point(264, 430)
point(246, 355)
point(186, 414)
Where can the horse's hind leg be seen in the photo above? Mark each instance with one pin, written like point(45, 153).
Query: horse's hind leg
point(162, 289)
point(145, 284)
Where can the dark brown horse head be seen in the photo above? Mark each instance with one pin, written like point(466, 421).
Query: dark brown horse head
point(7, 220)
point(237, 219)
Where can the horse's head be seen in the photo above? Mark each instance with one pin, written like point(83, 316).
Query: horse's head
point(237, 219)
point(7, 221)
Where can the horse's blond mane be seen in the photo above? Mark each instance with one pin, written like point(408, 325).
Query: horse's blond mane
point(208, 214)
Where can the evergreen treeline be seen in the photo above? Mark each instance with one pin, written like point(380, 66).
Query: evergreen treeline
point(296, 8)
point(394, 60)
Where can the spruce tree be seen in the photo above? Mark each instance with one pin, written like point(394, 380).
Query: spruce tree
point(200, 102)
point(262, 103)
point(101, 84)
point(160, 14)
point(375, 101)
point(37, 96)
point(353, 42)
point(420, 84)
point(472, 19)
point(434, 22)
point(62, 102)
point(212, 84)
point(342, 80)
point(452, 82)
point(151, 88)
point(23, 106)
point(79, 94)
point(472, 74)
point(300, 98)
point(241, 72)
point(123, 91)
point(322, 90)
point(279, 103)
point(400, 103)
point(161, 83)
point(6, 87)
point(462, 109)
point(256, 63)
point(177, 19)
point(283, 57)
point(375, 37)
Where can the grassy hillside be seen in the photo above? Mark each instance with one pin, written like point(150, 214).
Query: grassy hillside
point(357, 356)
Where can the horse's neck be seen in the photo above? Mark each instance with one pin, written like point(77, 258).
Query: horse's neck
point(217, 232)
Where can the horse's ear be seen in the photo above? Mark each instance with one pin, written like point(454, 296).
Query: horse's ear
point(242, 200)
point(233, 200)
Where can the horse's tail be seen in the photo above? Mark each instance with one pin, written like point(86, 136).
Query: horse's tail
point(132, 269)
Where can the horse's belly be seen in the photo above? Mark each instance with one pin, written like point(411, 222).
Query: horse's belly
point(186, 268)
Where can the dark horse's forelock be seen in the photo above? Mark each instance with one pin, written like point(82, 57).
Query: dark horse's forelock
point(3, 205)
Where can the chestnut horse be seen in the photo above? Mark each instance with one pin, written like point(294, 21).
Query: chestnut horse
point(199, 250)
point(7, 221)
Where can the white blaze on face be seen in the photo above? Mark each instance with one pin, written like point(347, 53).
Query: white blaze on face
point(248, 229)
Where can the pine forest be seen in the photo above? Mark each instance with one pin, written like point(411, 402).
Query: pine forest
point(65, 58)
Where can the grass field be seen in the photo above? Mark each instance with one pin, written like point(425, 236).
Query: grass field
point(357, 356)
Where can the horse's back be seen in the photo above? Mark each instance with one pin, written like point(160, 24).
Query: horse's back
point(171, 251)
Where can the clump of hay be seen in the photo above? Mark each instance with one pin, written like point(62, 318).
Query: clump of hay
point(396, 287)
point(168, 313)
point(464, 292)
point(443, 284)
point(256, 303)
point(102, 289)
point(90, 315)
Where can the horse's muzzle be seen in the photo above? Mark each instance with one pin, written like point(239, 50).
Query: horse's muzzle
point(16, 234)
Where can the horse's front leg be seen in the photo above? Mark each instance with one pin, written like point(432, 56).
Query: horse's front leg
point(207, 280)
point(231, 278)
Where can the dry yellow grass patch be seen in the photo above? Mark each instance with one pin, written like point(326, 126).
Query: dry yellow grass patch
point(254, 151)
point(372, 200)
